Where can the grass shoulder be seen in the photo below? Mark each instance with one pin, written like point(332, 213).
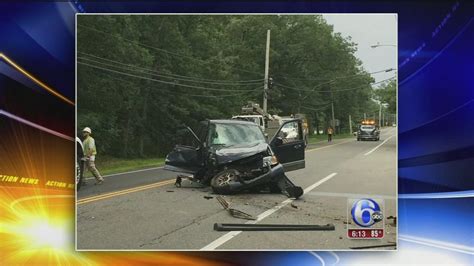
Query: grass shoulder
point(111, 165)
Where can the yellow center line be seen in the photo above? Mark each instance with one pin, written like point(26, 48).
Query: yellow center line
point(328, 146)
point(124, 192)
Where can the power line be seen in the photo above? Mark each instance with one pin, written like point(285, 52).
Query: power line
point(187, 94)
point(159, 81)
point(162, 50)
point(371, 73)
point(363, 86)
point(331, 81)
point(351, 89)
point(171, 75)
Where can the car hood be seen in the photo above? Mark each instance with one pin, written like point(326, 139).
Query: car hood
point(230, 154)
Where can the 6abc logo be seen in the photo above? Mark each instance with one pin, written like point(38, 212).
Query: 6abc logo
point(367, 218)
point(366, 212)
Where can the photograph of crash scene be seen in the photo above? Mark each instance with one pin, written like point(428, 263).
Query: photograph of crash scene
point(236, 132)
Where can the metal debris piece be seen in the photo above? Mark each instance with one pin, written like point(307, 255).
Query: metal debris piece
point(375, 246)
point(234, 212)
point(208, 197)
point(273, 227)
point(223, 202)
point(179, 180)
point(169, 190)
point(177, 183)
point(294, 206)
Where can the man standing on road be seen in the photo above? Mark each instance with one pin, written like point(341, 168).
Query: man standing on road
point(330, 131)
point(90, 152)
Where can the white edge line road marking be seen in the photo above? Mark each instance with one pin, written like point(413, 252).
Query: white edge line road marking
point(378, 146)
point(221, 240)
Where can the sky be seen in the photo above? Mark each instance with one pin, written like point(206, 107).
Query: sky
point(367, 30)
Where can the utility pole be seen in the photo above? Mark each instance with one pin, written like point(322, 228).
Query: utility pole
point(267, 62)
point(365, 116)
point(383, 119)
point(333, 124)
point(350, 124)
point(380, 114)
point(333, 121)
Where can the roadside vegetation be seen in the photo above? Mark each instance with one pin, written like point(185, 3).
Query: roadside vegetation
point(111, 165)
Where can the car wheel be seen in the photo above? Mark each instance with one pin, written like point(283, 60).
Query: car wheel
point(222, 182)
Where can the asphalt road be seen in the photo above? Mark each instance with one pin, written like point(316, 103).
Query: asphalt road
point(143, 209)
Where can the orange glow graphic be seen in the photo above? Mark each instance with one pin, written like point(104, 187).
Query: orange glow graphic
point(37, 228)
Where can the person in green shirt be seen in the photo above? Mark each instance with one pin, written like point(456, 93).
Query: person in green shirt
point(90, 152)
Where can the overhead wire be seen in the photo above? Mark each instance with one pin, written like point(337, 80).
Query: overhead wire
point(111, 76)
point(160, 81)
point(166, 76)
point(352, 75)
point(330, 81)
point(171, 75)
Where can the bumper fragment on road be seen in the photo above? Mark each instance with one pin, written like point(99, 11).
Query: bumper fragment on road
point(273, 227)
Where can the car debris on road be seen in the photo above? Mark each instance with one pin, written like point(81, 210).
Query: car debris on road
point(234, 212)
point(273, 227)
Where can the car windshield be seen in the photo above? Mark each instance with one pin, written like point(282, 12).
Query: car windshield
point(367, 127)
point(235, 135)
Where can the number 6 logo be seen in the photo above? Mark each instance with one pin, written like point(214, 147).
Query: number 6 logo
point(364, 211)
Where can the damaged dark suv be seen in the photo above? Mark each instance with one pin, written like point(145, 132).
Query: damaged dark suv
point(233, 156)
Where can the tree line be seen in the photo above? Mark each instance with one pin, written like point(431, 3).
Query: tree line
point(141, 77)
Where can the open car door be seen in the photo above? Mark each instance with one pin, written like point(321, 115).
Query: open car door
point(288, 145)
point(186, 156)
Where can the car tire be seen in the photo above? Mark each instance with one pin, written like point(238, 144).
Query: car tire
point(221, 182)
